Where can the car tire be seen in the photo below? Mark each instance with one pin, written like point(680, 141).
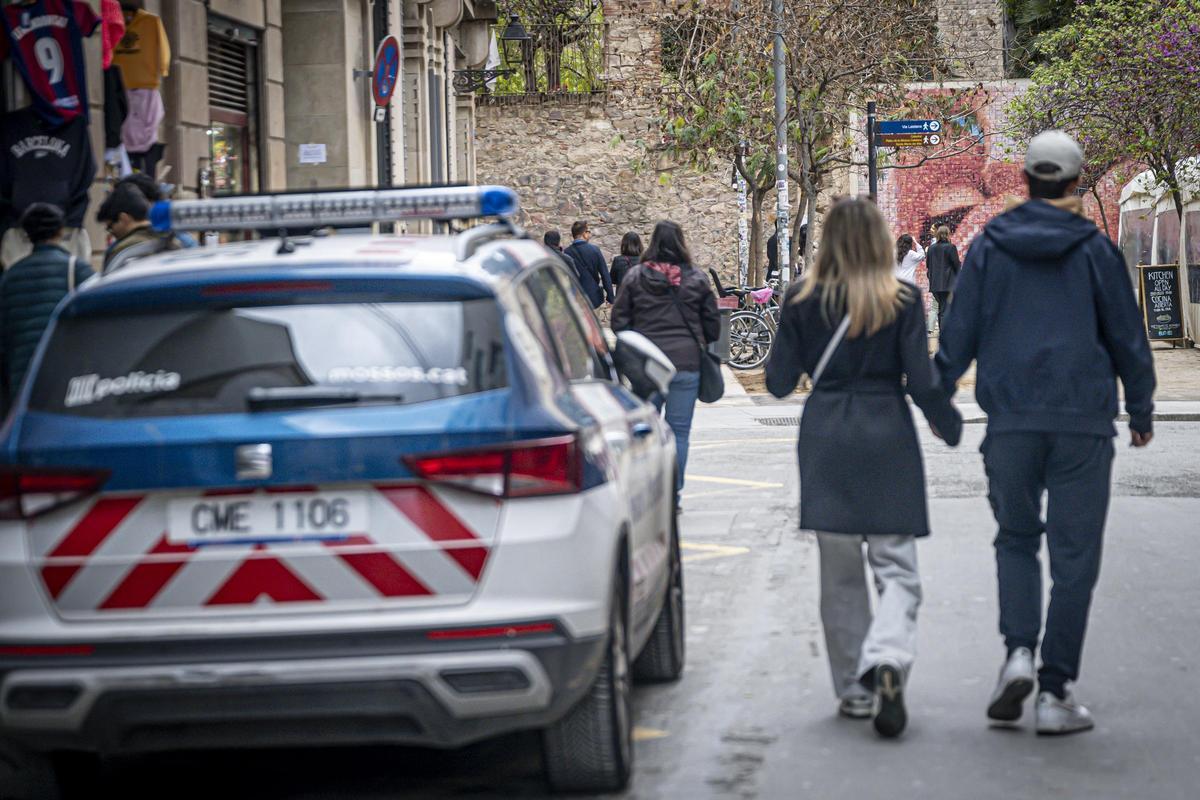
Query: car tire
point(26, 775)
point(591, 748)
point(663, 657)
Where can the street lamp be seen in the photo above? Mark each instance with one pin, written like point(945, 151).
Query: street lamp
point(514, 39)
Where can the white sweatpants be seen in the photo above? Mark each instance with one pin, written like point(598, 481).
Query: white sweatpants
point(855, 640)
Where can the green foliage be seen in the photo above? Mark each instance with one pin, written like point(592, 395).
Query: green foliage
point(1029, 21)
point(1124, 78)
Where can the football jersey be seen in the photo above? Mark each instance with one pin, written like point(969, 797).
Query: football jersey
point(45, 39)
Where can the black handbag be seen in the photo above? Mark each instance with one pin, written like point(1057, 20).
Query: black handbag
point(712, 382)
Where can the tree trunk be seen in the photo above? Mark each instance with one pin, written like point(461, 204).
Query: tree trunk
point(1103, 215)
point(810, 247)
point(553, 54)
point(754, 275)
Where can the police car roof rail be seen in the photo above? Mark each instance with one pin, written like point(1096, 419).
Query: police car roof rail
point(470, 240)
point(318, 209)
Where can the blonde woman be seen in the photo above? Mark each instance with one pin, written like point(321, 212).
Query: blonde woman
point(859, 332)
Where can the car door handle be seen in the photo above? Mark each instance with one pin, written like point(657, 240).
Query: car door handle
point(642, 430)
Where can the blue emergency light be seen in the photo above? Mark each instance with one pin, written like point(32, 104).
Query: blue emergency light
point(321, 209)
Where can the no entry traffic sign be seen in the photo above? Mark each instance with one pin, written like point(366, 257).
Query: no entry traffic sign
point(387, 70)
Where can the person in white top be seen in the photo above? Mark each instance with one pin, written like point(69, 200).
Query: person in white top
point(908, 254)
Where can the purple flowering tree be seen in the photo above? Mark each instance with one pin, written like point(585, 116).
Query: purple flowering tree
point(1123, 76)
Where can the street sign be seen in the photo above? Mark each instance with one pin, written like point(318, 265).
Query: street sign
point(908, 133)
point(387, 70)
point(908, 126)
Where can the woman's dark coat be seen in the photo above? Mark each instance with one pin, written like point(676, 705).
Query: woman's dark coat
point(619, 269)
point(644, 304)
point(941, 259)
point(861, 470)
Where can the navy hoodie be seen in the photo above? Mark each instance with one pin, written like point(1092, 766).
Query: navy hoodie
point(1045, 305)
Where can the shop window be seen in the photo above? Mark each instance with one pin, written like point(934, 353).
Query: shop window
point(1167, 246)
point(1137, 231)
point(233, 134)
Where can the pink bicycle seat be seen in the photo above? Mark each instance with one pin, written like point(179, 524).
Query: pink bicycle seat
point(763, 295)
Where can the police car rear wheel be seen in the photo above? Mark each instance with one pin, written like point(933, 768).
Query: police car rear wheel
point(663, 657)
point(591, 748)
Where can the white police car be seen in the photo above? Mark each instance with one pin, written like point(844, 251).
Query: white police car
point(335, 490)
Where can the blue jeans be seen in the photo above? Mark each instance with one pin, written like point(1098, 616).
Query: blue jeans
point(1075, 471)
point(680, 406)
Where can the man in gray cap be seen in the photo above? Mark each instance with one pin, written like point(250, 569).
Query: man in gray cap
point(1045, 306)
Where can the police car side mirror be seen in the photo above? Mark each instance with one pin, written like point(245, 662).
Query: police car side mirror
point(640, 362)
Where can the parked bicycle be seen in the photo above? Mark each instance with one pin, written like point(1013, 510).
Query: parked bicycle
point(753, 325)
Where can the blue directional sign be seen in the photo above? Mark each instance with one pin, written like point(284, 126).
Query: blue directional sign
point(909, 126)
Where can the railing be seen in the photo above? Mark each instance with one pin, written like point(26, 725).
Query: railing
point(566, 59)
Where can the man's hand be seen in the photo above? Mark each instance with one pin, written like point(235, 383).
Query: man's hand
point(1139, 439)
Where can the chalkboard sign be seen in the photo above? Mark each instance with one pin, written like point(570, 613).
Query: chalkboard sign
point(1162, 302)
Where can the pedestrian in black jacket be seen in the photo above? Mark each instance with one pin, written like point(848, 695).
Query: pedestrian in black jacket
point(1045, 308)
point(631, 253)
point(941, 260)
point(30, 291)
point(670, 302)
point(861, 474)
point(593, 271)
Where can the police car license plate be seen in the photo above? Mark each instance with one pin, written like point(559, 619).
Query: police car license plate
point(266, 517)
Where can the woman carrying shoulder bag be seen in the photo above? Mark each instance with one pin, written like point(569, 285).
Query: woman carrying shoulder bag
point(670, 302)
point(860, 334)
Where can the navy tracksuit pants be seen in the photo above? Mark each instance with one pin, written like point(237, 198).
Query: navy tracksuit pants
point(1074, 471)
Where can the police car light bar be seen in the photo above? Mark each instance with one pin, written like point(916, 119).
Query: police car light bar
point(321, 209)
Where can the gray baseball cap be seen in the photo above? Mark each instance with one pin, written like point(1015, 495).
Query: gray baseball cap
point(1053, 156)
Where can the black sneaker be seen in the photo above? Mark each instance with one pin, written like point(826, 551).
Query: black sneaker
point(890, 716)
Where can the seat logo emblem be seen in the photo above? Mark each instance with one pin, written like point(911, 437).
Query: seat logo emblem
point(253, 461)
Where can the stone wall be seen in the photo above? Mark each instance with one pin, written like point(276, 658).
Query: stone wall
point(571, 162)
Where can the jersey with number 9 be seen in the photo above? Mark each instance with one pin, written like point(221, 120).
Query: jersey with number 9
point(45, 38)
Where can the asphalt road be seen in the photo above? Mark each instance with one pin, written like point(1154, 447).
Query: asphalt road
point(754, 715)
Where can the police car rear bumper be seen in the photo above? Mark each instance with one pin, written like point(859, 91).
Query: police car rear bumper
point(435, 698)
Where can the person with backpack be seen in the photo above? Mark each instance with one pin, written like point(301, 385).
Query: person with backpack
point(1045, 308)
point(631, 253)
point(859, 333)
point(671, 302)
point(30, 291)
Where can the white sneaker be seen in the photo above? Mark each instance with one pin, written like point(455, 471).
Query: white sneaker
point(857, 705)
point(1055, 717)
point(1015, 684)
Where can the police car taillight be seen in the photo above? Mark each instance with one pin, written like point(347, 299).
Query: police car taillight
point(524, 469)
point(27, 492)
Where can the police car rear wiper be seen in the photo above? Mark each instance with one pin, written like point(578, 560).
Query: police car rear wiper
point(269, 398)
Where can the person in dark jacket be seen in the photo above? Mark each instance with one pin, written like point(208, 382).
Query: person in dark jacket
point(941, 260)
point(1045, 308)
point(861, 474)
point(30, 291)
point(631, 253)
point(152, 190)
point(670, 302)
point(593, 271)
point(126, 215)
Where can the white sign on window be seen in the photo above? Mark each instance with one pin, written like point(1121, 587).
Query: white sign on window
point(312, 154)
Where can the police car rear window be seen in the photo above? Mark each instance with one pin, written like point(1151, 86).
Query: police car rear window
point(216, 361)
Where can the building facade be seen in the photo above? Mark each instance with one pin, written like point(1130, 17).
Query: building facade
point(269, 95)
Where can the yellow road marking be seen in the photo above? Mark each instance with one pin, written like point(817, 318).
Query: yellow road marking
point(641, 734)
point(708, 551)
point(710, 493)
point(734, 482)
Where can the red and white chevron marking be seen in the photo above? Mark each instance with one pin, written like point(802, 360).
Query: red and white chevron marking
point(113, 554)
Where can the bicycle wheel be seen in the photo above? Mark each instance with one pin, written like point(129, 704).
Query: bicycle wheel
point(750, 338)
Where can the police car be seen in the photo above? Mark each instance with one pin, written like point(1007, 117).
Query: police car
point(336, 490)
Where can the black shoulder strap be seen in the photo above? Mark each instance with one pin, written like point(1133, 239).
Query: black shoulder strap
point(679, 307)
